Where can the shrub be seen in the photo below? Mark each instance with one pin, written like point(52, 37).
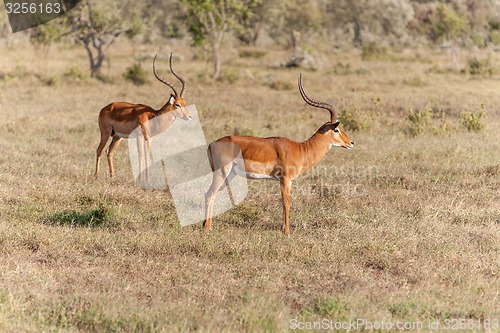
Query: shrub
point(495, 37)
point(480, 67)
point(302, 59)
point(354, 121)
point(372, 51)
point(136, 74)
point(281, 85)
point(48, 80)
point(419, 120)
point(441, 126)
point(252, 53)
point(473, 120)
point(73, 72)
point(230, 76)
point(477, 39)
point(342, 69)
point(19, 72)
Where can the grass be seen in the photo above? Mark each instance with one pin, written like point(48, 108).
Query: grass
point(399, 228)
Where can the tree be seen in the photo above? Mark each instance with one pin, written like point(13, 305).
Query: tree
point(251, 24)
point(97, 30)
point(379, 17)
point(94, 26)
point(447, 24)
point(293, 19)
point(209, 21)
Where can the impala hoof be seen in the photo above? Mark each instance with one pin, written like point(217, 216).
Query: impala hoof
point(207, 226)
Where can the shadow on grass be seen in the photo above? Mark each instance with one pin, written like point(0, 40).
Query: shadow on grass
point(101, 216)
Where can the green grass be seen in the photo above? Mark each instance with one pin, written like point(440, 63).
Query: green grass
point(401, 227)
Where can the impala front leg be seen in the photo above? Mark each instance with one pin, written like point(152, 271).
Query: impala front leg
point(285, 193)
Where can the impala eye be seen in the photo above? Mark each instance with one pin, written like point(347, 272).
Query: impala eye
point(177, 105)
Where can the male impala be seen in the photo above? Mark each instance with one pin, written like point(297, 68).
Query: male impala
point(275, 158)
point(119, 119)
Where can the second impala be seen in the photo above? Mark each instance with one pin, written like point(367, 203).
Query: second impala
point(119, 120)
point(275, 158)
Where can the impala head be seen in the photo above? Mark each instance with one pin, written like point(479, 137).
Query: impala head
point(336, 136)
point(176, 103)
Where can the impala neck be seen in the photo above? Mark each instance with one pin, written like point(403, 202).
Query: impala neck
point(165, 108)
point(314, 149)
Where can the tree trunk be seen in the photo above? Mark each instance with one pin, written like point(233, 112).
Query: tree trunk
point(91, 58)
point(216, 61)
point(454, 51)
point(95, 60)
point(358, 40)
point(295, 36)
point(98, 62)
point(256, 34)
point(216, 47)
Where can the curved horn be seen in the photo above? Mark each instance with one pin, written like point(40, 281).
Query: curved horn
point(160, 79)
point(178, 77)
point(318, 104)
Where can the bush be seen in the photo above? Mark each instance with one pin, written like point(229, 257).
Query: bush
point(473, 120)
point(252, 53)
point(73, 72)
point(342, 69)
point(354, 121)
point(230, 76)
point(302, 59)
point(281, 85)
point(48, 80)
point(136, 74)
point(20, 72)
point(419, 120)
point(480, 67)
point(495, 37)
point(372, 51)
point(441, 126)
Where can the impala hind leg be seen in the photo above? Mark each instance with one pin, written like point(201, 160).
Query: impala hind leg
point(219, 178)
point(147, 157)
point(228, 179)
point(102, 144)
point(147, 149)
point(111, 151)
point(285, 194)
point(140, 153)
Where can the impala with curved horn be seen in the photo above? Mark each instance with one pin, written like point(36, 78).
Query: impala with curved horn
point(119, 119)
point(275, 158)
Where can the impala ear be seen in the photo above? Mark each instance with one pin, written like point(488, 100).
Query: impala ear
point(172, 99)
point(336, 124)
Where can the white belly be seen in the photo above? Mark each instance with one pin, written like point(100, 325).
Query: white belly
point(251, 175)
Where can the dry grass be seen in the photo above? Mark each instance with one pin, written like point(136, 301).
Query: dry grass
point(400, 228)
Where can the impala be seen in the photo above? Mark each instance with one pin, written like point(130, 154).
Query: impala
point(119, 120)
point(274, 158)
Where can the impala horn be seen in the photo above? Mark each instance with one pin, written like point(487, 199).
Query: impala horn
point(178, 77)
point(160, 79)
point(318, 104)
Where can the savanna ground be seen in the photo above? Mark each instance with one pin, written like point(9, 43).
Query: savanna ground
point(403, 227)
